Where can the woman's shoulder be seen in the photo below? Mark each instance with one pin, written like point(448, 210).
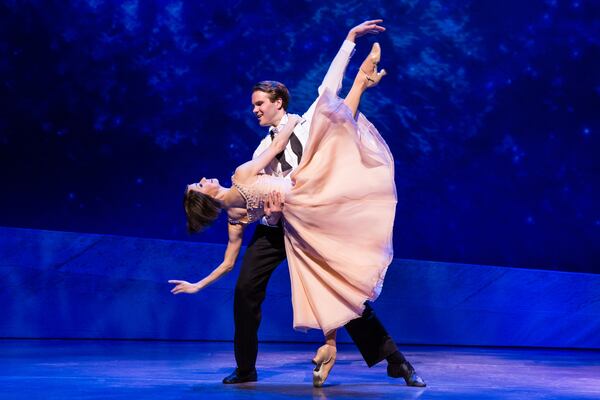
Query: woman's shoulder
point(242, 177)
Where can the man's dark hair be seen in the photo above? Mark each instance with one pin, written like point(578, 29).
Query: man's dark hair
point(275, 90)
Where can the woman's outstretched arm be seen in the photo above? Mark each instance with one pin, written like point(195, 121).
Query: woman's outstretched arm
point(236, 233)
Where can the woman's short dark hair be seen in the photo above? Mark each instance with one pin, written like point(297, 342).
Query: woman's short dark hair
point(201, 210)
point(275, 90)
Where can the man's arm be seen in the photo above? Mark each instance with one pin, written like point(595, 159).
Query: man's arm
point(261, 147)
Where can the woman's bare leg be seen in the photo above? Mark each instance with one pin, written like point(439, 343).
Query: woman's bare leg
point(330, 338)
point(366, 77)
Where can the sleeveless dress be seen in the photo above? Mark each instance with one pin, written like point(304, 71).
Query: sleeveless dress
point(339, 210)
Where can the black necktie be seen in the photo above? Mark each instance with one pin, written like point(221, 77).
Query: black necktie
point(296, 148)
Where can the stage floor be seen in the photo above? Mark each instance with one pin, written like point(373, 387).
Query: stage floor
point(53, 369)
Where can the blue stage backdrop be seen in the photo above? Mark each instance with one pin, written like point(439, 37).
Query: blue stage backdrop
point(77, 285)
point(492, 110)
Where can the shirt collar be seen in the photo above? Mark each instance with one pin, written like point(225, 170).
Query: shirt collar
point(282, 123)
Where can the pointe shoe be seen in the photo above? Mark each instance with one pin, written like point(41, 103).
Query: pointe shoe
point(369, 66)
point(323, 361)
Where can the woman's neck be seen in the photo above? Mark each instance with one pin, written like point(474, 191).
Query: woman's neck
point(230, 198)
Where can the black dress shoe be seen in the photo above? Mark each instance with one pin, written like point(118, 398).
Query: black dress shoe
point(237, 377)
point(415, 380)
point(406, 371)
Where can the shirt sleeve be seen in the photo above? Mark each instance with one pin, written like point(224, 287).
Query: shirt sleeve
point(263, 221)
point(334, 76)
point(335, 73)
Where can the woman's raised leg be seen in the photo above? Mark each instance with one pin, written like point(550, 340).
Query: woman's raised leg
point(367, 77)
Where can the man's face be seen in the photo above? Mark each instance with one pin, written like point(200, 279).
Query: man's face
point(268, 113)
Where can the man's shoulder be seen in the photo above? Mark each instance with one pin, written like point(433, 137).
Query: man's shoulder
point(264, 143)
point(302, 127)
point(266, 139)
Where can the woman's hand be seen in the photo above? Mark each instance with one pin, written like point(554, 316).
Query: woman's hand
point(367, 27)
point(294, 119)
point(184, 287)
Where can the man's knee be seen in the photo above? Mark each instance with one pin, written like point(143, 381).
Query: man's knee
point(368, 313)
point(247, 292)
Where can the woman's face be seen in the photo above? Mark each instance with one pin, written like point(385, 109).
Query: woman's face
point(209, 187)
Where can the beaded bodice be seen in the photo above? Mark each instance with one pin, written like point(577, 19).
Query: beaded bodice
point(255, 195)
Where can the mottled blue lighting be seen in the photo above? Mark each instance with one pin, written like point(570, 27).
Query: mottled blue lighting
point(130, 18)
point(586, 131)
point(501, 99)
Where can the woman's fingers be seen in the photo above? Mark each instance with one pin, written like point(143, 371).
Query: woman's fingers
point(178, 285)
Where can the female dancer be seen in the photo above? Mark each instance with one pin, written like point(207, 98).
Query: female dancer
point(338, 212)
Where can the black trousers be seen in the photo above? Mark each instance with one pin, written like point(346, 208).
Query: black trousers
point(264, 253)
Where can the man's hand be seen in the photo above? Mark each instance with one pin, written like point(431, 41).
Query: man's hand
point(273, 208)
point(367, 27)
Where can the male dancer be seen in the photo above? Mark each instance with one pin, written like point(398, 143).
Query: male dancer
point(267, 250)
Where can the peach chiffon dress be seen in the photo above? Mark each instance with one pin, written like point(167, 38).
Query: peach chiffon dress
point(338, 217)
